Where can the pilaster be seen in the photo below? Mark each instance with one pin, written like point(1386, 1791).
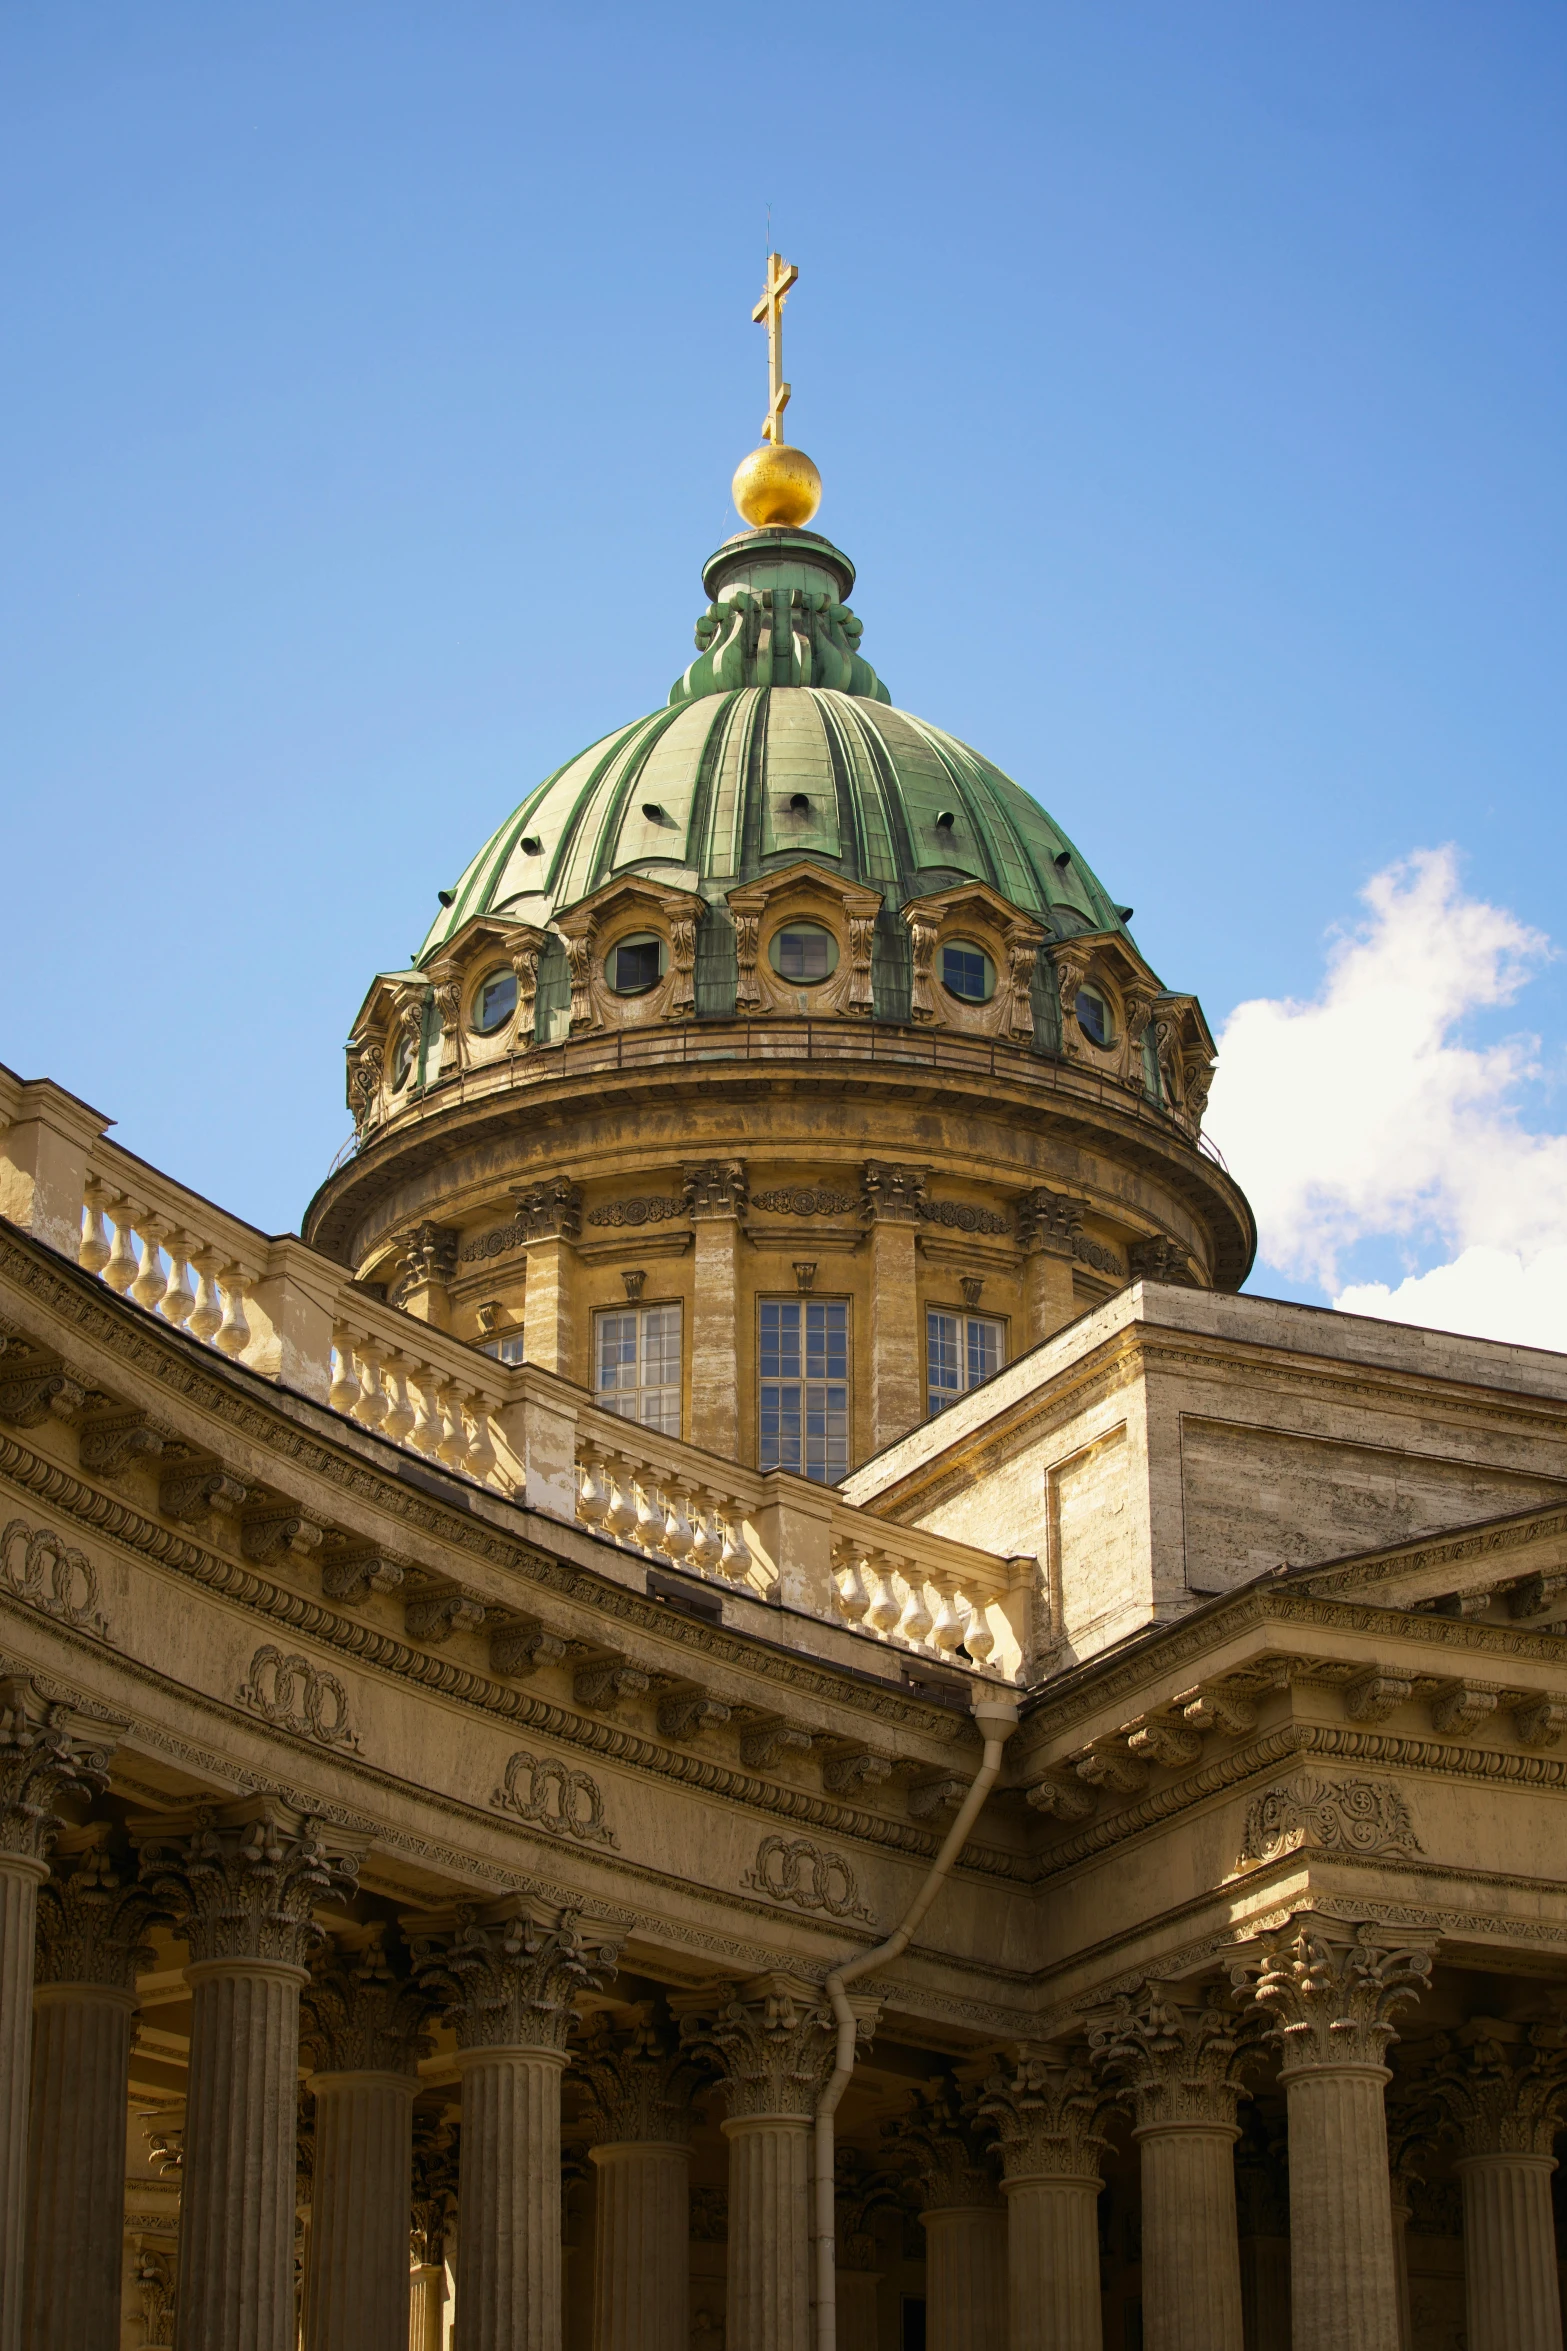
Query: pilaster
point(48, 1758)
point(1503, 2088)
point(507, 1976)
point(241, 1882)
point(715, 1193)
point(894, 1200)
point(91, 1920)
point(1331, 1991)
point(363, 2032)
point(1180, 2057)
point(1045, 2108)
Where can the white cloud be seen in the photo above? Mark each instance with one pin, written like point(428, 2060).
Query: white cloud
point(1363, 1114)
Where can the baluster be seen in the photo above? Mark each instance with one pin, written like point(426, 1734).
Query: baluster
point(978, 1639)
point(233, 1332)
point(400, 1415)
point(370, 1411)
point(853, 1595)
point(650, 1522)
point(947, 1631)
point(882, 1610)
point(451, 1445)
point(707, 1545)
point(592, 1497)
point(915, 1622)
point(677, 1540)
point(93, 1255)
point(206, 1315)
point(121, 1269)
point(425, 1435)
point(480, 1445)
point(150, 1283)
point(343, 1394)
point(734, 1560)
point(620, 1518)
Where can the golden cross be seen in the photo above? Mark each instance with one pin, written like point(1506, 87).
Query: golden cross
point(769, 313)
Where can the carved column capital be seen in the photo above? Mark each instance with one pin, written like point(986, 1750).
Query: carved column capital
point(1045, 2108)
point(507, 1973)
point(715, 1188)
point(242, 1880)
point(1179, 2057)
point(938, 2139)
point(893, 1193)
point(638, 2078)
point(1502, 2087)
point(1050, 1220)
point(772, 2039)
point(1331, 1991)
point(48, 1756)
point(361, 2012)
point(93, 1913)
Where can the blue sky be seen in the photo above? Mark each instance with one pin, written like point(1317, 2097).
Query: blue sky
point(1188, 386)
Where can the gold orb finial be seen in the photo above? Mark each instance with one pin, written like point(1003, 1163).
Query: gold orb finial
point(777, 487)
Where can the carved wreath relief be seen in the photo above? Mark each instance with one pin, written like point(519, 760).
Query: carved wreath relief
point(52, 1576)
point(555, 1797)
point(807, 1876)
point(298, 1696)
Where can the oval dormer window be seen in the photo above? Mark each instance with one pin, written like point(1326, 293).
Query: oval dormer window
point(494, 1003)
point(967, 972)
point(804, 952)
point(634, 965)
point(1094, 1017)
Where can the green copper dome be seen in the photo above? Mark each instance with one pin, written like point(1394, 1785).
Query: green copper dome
point(778, 743)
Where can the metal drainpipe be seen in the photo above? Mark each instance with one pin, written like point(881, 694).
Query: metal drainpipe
point(997, 1719)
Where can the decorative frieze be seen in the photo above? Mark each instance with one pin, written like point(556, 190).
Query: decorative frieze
point(808, 1877)
point(1328, 1815)
point(806, 1200)
point(296, 1694)
point(555, 1797)
point(642, 1208)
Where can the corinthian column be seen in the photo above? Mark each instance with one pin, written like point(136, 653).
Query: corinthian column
point(639, 2083)
point(1331, 1991)
point(506, 1975)
point(772, 2039)
point(241, 1882)
point(965, 2224)
point(363, 2031)
point(434, 2201)
point(1262, 2212)
point(91, 1918)
point(1044, 2109)
point(1504, 2087)
point(47, 1756)
point(1181, 2060)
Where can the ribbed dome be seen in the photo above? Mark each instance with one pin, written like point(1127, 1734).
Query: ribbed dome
point(779, 744)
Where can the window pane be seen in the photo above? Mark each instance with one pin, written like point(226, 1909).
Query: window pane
point(941, 1355)
point(803, 1388)
point(984, 1349)
point(637, 1363)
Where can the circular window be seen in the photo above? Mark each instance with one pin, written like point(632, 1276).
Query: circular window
point(804, 951)
point(494, 1003)
point(1094, 1017)
point(967, 972)
point(402, 1061)
point(634, 965)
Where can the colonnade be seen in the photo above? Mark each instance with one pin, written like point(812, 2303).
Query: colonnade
point(1012, 2248)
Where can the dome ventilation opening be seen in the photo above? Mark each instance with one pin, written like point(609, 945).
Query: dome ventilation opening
point(531, 844)
point(946, 820)
point(1124, 913)
point(447, 897)
point(1063, 860)
point(800, 802)
point(653, 810)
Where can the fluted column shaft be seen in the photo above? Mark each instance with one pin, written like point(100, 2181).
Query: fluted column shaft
point(356, 2286)
point(1510, 2278)
point(1191, 2247)
point(769, 2266)
point(1265, 2293)
point(1343, 2278)
point(641, 2238)
point(426, 2306)
point(966, 2267)
point(508, 2246)
point(236, 2261)
point(76, 2159)
point(855, 2302)
point(19, 1878)
point(1399, 2195)
point(1052, 2263)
